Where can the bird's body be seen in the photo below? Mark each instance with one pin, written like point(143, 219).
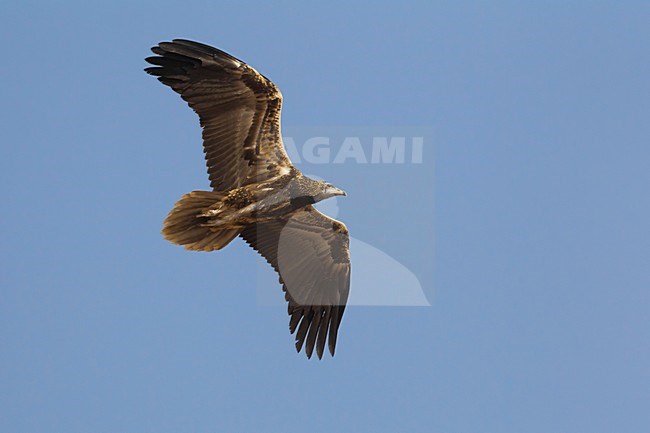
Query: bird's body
point(257, 193)
point(264, 201)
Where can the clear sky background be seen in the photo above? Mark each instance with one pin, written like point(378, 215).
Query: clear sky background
point(538, 272)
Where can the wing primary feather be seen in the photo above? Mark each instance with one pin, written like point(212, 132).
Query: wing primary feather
point(207, 49)
point(303, 328)
point(322, 332)
point(337, 311)
point(313, 331)
point(295, 319)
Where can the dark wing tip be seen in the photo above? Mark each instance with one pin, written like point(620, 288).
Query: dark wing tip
point(331, 344)
point(196, 51)
point(207, 49)
point(196, 45)
point(316, 329)
point(173, 65)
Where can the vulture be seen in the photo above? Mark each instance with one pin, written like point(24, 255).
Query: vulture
point(257, 193)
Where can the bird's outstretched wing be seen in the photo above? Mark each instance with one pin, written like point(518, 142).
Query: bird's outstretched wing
point(239, 110)
point(310, 252)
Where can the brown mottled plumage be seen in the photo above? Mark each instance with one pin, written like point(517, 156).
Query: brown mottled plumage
point(257, 193)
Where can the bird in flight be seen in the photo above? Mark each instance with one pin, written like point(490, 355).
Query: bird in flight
point(257, 193)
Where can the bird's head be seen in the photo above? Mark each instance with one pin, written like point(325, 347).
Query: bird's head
point(327, 190)
point(305, 190)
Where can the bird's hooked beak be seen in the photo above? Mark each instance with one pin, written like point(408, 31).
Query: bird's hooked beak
point(332, 191)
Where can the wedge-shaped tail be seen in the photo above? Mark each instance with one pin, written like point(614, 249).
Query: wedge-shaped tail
point(185, 225)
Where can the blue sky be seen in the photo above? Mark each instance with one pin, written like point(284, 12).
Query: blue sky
point(527, 225)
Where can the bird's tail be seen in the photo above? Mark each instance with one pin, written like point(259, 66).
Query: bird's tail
point(186, 223)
